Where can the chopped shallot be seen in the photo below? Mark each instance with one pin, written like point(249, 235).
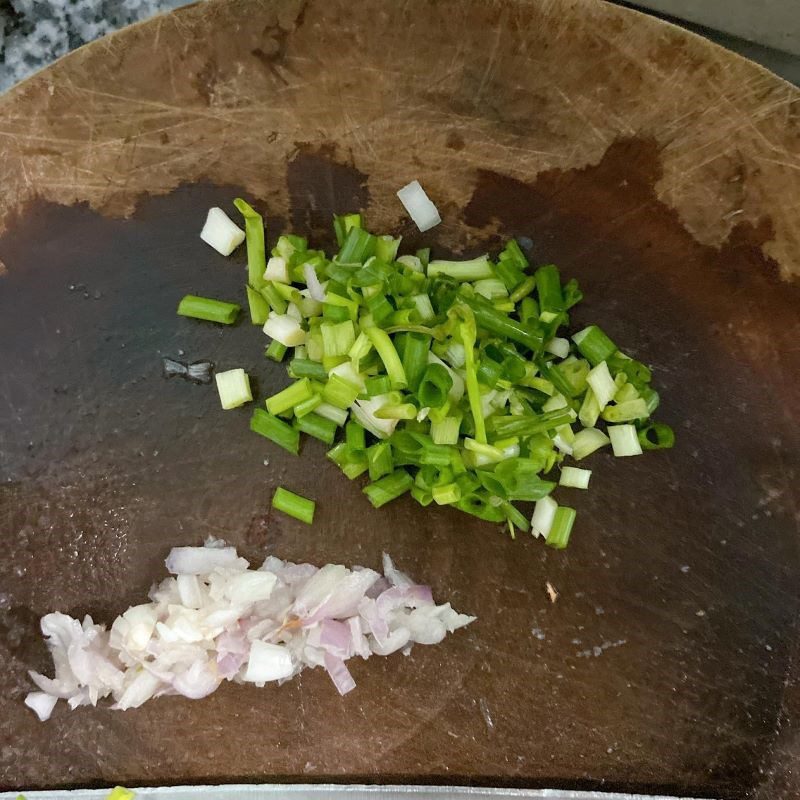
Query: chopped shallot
point(217, 619)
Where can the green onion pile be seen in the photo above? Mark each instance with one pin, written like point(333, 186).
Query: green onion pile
point(448, 380)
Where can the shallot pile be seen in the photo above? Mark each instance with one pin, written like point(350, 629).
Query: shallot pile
point(217, 620)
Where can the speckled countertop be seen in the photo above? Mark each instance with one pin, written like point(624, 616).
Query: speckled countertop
point(35, 32)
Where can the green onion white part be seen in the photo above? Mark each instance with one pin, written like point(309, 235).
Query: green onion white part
point(285, 328)
point(575, 477)
point(234, 388)
point(221, 232)
point(276, 270)
point(602, 384)
point(419, 206)
point(624, 440)
point(544, 513)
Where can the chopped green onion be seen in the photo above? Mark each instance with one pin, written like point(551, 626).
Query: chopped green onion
point(388, 488)
point(221, 233)
point(337, 338)
point(208, 309)
point(626, 392)
point(288, 245)
point(519, 478)
point(273, 297)
point(380, 308)
point(656, 437)
point(358, 246)
point(412, 263)
point(340, 392)
point(650, 396)
point(307, 406)
point(587, 441)
point(530, 425)
point(276, 351)
point(254, 236)
point(557, 346)
point(627, 411)
point(436, 455)
point(277, 272)
point(351, 463)
point(413, 349)
point(435, 386)
point(515, 517)
point(473, 270)
point(548, 287)
point(288, 398)
point(635, 371)
point(447, 494)
point(594, 345)
point(422, 496)
point(386, 248)
point(379, 384)
point(544, 513)
point(285, 329)
point(603, 386)
point(294, 505)
point(397, 411)
point(493, 321)
point(305, 368)
point(379, 460)
point(342, 225)
point(446, 430)
point(575, 477)
point(319, 427)
point(468, 335)
point(590, 410)
point(276, 430)
point(460, 369)
point(523, 290)
point(624, 440)
point(354, 436)
point(386, 350)
point(477, 504)
point(491, 288)
point(423, 306)
point(360, 350)
point(331, 412)
point(259, 307)
point(563, 520)
point(234, 388)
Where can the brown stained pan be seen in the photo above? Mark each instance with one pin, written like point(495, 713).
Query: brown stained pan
point(660, 171)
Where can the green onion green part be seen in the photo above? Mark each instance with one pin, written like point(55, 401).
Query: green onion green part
point(294, 505)
point(276, 351)
point(290, 397)
point(561, 528)
point(276, 430)
point(208, 309)
point(388, 488)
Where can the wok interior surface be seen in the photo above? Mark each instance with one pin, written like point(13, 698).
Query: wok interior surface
point(668, 661)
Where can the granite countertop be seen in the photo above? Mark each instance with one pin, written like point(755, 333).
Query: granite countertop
point(35, 32)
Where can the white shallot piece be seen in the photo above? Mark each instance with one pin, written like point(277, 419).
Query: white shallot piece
point(216, 619)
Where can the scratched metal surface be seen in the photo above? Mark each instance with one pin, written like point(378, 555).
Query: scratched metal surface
point(657, 169)
point(334, 792)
